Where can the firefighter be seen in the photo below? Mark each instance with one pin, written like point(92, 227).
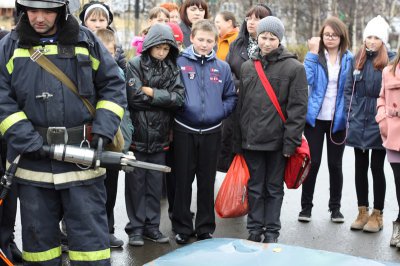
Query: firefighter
point(8, 210)
point(37, 109)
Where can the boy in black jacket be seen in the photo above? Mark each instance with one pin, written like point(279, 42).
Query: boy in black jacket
point(154, 91)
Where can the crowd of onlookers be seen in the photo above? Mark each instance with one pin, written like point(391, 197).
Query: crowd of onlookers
point(195, 100)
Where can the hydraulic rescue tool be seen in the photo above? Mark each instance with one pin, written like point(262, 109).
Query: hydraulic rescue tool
point(97, 158)
point(85, 158)
point(7, 178)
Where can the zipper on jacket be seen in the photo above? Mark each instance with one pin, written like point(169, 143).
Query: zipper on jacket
point(202, 89)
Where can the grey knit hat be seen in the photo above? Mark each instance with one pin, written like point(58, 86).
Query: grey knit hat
point(271, 24)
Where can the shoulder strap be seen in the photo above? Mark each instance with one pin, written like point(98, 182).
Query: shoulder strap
point(50, 67)
point(268, 88)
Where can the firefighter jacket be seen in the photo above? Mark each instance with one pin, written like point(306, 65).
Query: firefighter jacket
point(30, 97)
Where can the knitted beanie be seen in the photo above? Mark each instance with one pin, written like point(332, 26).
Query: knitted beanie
point(377, 27)
point(273, 25)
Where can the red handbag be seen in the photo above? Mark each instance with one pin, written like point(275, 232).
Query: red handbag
point(232, 198)
point(298, 164)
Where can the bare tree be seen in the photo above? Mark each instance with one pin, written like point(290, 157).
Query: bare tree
point(293, 38)
point(354, 28)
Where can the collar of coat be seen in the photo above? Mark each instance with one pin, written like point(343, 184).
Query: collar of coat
point(279, 53)
point(68, 32)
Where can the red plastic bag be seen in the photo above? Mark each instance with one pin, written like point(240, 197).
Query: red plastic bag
point(298, 165)
point(232, 196)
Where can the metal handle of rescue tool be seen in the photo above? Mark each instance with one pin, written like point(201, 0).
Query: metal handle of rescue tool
point(7, 178)
point(107, 159)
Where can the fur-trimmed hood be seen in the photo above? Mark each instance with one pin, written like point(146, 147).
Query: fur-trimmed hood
point(68, 32)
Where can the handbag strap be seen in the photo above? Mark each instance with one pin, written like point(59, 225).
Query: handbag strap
point(46, 64)
point(268, 88)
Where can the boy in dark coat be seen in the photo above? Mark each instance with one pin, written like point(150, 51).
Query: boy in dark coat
point(265, 141)
point(154, 90)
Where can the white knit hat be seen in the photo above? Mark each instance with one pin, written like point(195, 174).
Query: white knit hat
point(377, 27)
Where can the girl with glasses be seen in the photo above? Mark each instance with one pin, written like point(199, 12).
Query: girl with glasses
point(326, 64)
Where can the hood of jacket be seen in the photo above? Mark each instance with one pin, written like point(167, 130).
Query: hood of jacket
point(68, 32)
point(160, 34)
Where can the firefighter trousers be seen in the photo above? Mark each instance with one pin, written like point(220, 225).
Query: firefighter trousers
point(84, 212)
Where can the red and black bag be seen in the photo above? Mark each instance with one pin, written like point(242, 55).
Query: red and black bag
point(298, 165)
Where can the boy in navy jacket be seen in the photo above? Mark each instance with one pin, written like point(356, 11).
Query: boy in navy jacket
point(210, 98)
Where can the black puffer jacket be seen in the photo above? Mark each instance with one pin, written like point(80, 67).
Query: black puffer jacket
point(237, 54)
point(152, 117)
point(260, 126)
point(363, 131)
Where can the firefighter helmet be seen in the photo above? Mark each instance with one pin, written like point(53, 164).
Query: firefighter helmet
point(21, 5)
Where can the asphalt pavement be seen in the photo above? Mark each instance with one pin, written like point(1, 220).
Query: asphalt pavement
point(320, 233)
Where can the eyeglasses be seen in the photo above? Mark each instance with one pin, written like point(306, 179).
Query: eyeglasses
point(332, 36)
point(251, 19)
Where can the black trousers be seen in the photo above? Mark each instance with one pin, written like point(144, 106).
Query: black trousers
point(265, 190)
point(143, 189)
point(396, 173)
point(362, 163)
point(226, 153)
point(315, 136)
point(195, 155)
point(111, 184)
point(170, 180)
point(8, 210)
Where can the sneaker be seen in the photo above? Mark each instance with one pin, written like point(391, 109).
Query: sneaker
point(254, 237)
point(305, 215)
point(115, 242)
point(181, 239)
point(270, 239)
point(396, 234)
point(136, 240)
point(156, 236)
point(336, 216)
point(204, 236)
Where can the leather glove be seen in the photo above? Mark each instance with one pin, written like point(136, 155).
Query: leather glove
point(36, 155)
point(95, 141)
